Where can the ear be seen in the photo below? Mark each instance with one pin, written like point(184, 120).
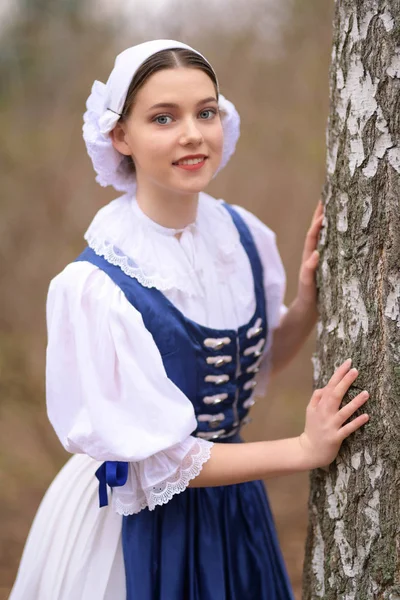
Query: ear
point(118, 138)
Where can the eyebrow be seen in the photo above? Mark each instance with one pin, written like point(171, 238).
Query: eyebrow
point(173, 105)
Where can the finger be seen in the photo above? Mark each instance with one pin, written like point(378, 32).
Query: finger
point(339, 374)
point(318, 215)
point(312, 262)
point(312, 237)
point(307, 272)
point(319, 209)
point(343, 386)
point(351, 427)
point(311, 240)
point(347, 411)
point(316, 227)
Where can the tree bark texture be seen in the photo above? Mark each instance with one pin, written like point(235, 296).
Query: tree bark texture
point(353, 543)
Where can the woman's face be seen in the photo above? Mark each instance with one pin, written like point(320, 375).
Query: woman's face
point(174, 132)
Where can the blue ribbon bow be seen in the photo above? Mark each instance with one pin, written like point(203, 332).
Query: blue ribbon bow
point(113, 473)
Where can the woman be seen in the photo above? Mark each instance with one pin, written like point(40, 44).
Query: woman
point(158, 335)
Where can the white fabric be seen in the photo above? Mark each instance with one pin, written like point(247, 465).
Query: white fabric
point(154, 481)
point(152, 254)
point(108, 394)
point(74, 550)
point(106, 102)
point(126, 65)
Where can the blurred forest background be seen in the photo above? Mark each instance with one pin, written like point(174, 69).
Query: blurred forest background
point(272, 59)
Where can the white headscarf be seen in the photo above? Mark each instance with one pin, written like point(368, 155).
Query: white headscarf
point(104, 107)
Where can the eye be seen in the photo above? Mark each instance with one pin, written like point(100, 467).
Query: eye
point(207, 114)
point(162, 119)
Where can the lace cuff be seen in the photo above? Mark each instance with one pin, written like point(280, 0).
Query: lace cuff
point(137, 494)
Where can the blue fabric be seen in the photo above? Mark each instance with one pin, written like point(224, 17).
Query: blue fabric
point(214, 543)
point(205, 543)
point(113, 473)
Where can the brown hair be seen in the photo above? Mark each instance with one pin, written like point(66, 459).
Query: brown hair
point(165, 59)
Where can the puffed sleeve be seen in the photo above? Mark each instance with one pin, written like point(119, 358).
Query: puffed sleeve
point(274, 285)
point(108, 395)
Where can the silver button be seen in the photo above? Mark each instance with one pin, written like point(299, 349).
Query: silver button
point(218, 361)
point(250, 385)
point(215, 399)
point(249, 402)
point(217, 379)
point(254, 368)
point(211, 418)
point(256, 330)
point(216, 343)
point(210, 435)
point(256, 350)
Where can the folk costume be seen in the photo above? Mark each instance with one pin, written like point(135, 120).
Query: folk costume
point(158, 346)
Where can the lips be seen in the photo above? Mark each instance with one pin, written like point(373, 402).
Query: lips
point(191, 164)
point(191, 159)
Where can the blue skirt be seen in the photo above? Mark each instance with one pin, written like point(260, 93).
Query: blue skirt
point(216, 543)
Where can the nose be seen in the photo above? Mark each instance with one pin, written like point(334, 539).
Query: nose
point(191, 133)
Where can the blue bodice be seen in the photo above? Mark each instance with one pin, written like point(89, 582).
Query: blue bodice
point(214, 368)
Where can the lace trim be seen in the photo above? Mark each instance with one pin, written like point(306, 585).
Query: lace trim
point(127, 238)
point(162, 493)
point(137, 504)
point(114, 256)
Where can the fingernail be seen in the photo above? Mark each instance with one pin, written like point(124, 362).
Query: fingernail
point(348, 362)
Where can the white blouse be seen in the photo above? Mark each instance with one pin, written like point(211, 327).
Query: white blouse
point(108, 395)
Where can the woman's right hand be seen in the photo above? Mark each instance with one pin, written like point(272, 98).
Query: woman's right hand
point(317, 446)
point(326, 426)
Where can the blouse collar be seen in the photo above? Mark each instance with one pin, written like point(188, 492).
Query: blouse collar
point(152, 254)
point(156, 227)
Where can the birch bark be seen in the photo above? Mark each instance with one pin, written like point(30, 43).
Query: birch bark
point(353, 543)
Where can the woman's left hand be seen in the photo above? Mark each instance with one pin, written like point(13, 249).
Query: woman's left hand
point(297, 323)
point(307, 290)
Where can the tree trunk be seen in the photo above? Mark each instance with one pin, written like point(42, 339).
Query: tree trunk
point(353, 544)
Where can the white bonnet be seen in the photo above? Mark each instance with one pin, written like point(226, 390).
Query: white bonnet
point(104, 107)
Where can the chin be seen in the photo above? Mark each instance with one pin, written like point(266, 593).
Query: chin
point(194, 186)
point(188, 187)
point(192, 189)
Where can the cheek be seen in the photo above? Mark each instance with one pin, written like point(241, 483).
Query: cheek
point(217, 139)
point(160, 145)
point(149, 147)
